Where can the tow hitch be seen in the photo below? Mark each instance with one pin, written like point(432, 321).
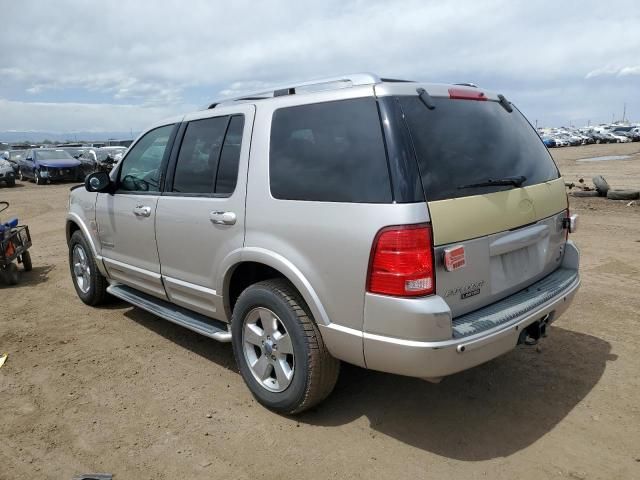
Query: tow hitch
point(534, 332)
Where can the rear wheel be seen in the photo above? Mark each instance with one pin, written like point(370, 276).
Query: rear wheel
point(89, 283)
point(10, 274)
point(279, 350)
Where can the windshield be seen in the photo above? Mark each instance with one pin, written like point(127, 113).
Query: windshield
point(15, 155)
point(52, 155)
point(462, 142)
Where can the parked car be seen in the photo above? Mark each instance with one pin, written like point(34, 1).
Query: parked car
point(7, 175)
point(14, 157)
point(620, 137)
point(45, 165)
point(107, 157)
point(549, 142)
point(309, 226)
point(86, 156)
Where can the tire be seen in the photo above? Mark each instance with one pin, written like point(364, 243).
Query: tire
point(602, 187)
point(623, 194)
point(93, 290)
point(20, 175)
point(10, 274)
point(314, 371)
point(27, 265)
point(37, 178)
point(585, 193)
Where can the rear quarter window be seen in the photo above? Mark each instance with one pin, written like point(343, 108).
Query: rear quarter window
point(462, 142)
point(331, 152)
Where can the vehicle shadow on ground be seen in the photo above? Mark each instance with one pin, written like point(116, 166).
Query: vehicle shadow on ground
point(36, 276)
point(490, 411)
point(220, 353)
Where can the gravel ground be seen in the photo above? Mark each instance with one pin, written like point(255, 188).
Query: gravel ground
point(115, 389)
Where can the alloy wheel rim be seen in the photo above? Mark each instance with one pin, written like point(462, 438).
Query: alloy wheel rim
point(268, 349)
point(81, 270)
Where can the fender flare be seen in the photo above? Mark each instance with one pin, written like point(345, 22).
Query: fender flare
point(281, 264)
point(75, 219)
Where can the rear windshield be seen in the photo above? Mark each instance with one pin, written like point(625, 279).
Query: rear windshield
point(464, 142)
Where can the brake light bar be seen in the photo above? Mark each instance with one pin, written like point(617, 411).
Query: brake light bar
point(466, 94)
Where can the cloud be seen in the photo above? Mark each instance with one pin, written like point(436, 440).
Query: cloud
point(614, 71)
point(73, 117)
point(154, 54)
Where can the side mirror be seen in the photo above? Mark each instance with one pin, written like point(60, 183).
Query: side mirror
point(97, 182)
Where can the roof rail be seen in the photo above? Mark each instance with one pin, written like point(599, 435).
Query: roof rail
point(467, 84)
point(331, 83)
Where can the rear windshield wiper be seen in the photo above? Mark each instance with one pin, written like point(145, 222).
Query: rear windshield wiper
point(515, 181)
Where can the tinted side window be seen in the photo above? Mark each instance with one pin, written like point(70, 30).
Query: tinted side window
point(141, 168)
point(330, 152)
point(227, 176)
point(198, 157)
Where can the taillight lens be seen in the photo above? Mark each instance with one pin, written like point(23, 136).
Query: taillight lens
point(402, 262)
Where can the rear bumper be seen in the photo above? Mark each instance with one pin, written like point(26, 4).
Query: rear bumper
point(452, 346)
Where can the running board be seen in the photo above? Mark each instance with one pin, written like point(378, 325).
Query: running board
point(193, 321)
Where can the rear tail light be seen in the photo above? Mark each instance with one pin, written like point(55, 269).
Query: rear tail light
point(570, 223)
point(401, 262)
point(466, 94)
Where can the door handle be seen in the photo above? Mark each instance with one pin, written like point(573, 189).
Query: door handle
point(222, 218)
point(142, 211)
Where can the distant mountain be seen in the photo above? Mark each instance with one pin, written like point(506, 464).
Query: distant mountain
point(39, 137)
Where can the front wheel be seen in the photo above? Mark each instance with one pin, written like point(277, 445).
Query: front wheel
point(279, 349)
point(89, 283)
point(26, 262)
point(37, 178)
point(20, 175)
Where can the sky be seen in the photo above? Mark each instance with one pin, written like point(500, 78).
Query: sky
point(101, 66)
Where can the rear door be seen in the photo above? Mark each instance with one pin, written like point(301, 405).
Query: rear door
point(126, 218)
point(512, 233)
point(200, 217)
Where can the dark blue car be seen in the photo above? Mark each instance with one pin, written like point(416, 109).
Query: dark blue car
point(46, 165)
point(549, 142)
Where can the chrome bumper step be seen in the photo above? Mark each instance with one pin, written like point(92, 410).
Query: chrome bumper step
point(193, 321)
point(516, 305)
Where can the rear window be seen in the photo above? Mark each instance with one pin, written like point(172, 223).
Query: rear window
point(331, 152)
point(463, 142)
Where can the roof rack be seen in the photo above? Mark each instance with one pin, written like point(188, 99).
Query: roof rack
point(467, 84)
point(331, 83)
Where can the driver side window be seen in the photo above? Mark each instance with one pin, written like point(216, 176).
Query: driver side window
point(141, 169)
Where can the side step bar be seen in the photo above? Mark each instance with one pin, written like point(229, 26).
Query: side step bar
point(193, 321)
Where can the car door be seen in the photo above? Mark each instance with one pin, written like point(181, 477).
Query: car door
point(200, 216)
point(26, 165)
point(126, 218)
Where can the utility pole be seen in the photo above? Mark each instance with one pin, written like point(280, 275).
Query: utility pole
point(624, 111)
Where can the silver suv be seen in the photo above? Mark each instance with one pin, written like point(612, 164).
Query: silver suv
point(418, 229)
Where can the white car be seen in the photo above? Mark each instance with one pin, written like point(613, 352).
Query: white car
point(7, 175)
point(621, 138)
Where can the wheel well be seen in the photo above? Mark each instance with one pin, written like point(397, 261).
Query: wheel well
point(71, 229)
point(244, 275)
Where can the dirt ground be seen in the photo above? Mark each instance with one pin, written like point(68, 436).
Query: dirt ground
point(117, 390)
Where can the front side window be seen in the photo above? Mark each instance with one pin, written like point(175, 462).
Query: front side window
point(331, 152)
point(141, 169)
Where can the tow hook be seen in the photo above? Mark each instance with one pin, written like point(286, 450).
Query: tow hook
point(533, 333)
